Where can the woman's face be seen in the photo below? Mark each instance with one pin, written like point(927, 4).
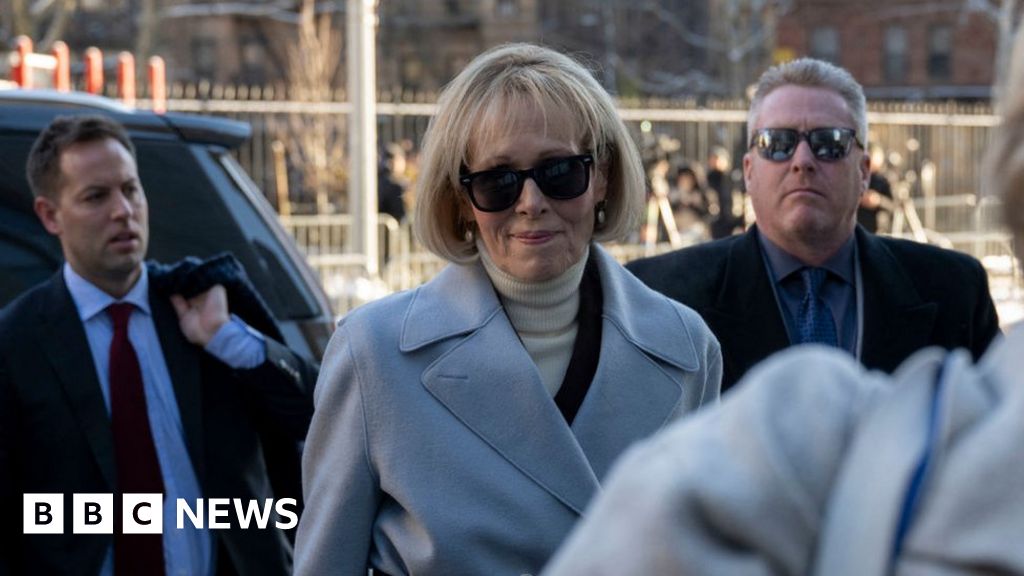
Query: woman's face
point(537, 238)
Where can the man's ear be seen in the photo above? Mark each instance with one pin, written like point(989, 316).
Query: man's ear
point(46, 211)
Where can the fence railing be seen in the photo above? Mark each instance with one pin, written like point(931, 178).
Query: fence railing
point(932, 152)
point(949, 137)
point(406, 264)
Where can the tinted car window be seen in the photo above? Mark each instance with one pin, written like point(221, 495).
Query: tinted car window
point(30, 254)
point(201, 203)
point(216, 221)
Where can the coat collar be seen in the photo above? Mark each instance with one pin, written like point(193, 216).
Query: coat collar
point(897, 320)
point(431, 317)
point(487, 380)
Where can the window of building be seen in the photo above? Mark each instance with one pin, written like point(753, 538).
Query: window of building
point(452, 6)
point(506, 8)
point(825, 44)
point(895, 57)
point(940, 52)
point(101, 5)
point(204, 56)
point(253, 60)
point(412, 72)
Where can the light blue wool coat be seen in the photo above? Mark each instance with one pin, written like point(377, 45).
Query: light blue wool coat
point(435, 448)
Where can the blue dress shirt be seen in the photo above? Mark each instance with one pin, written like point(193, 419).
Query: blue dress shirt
point(839, 291)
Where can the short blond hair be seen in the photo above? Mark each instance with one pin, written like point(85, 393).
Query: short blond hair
point(516, 74)
point(812, 73)
point(1003, 176)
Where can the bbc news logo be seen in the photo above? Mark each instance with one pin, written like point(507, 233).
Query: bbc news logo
point(144, 513)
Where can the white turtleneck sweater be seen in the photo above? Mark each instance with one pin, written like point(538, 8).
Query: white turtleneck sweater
point(543, 314)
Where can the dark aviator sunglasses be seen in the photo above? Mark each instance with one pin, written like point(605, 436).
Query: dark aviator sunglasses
point(827, 144)
point(499, 189)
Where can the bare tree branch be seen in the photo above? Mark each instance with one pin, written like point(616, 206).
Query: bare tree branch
point(677, 26)
point(741, 39)
point(21, 18)
point(1007, 25)
point(986, 7)
point(146, 27)
point(63, 10)
point(312, 142)
point(279, 10)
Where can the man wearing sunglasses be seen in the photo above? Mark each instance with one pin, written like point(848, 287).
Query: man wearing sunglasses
point(806, 273)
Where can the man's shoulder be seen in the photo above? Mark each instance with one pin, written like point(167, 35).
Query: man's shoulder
point(918, 257)
point(712, 251)
point(19, 318)
point(24, 309)
point(694, 266)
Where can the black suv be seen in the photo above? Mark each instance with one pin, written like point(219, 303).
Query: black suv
point(201, 203)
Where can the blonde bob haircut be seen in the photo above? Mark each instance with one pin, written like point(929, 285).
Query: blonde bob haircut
point(496, 82)
point(1003, 176)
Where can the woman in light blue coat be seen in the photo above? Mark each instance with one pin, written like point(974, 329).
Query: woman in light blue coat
point(462, 427)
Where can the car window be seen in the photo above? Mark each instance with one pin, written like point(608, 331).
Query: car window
point(28, 254)
point(196, 209)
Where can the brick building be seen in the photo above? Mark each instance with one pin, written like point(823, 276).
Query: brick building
point(898, 49)
point(422, 44)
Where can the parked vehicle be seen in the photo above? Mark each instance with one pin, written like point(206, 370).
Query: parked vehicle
point(201, 203)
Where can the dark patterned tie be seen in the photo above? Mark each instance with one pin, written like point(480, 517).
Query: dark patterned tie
point(816, 323)
point(138, 470)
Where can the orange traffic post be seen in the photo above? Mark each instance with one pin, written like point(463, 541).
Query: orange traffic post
point(21, 72)
point(62, 69)
point(93, 70)
point(158, 84)
point(126, 78)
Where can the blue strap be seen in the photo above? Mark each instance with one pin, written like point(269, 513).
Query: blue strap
point(915, 489)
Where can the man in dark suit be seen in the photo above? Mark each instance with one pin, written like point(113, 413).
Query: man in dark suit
point(805, 273)
point(110, 383)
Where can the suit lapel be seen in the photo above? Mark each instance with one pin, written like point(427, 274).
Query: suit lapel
point(745, 316)
point(489, 383)
point(897, 321)
point(61, 334)
point(186, 377)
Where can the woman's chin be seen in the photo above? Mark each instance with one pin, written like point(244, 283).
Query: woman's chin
point(541, 268)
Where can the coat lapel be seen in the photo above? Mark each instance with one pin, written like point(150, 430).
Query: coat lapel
point(897, 321)
point(644, 357)
point(186, 376)
point(61, 334)
point(489, 383)
point(745, 316)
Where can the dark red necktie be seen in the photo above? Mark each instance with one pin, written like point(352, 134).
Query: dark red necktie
point(138, 470)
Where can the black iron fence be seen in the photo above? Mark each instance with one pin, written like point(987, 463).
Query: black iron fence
point(931, 155)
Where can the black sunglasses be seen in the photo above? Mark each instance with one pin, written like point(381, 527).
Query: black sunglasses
point(499, 189)
point(827, 144)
